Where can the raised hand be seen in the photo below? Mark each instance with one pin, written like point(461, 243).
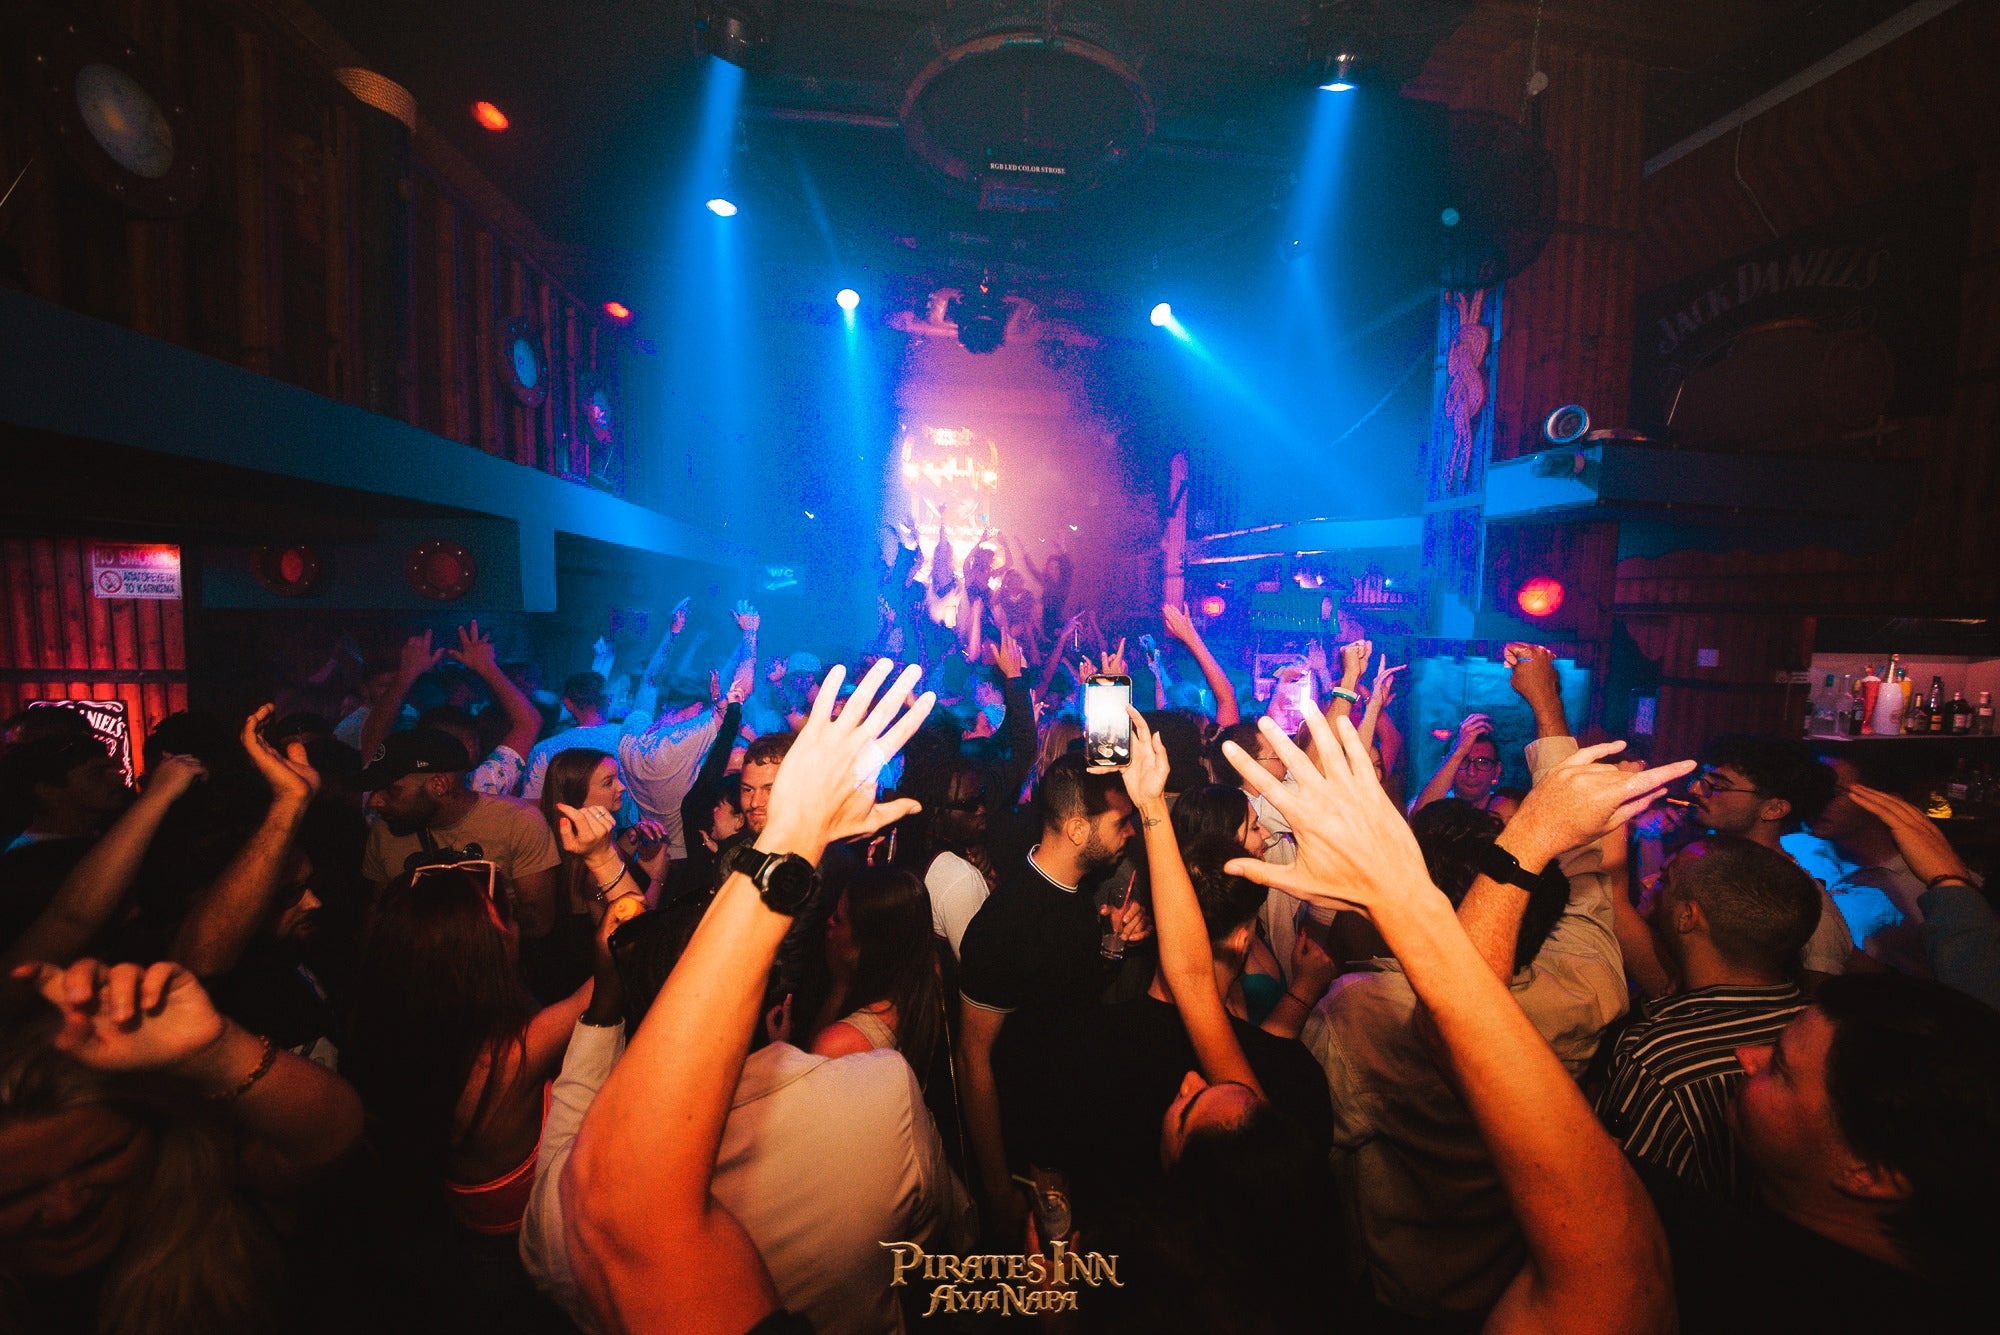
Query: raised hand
point(825, 790)
point(292, 778)
point(1180, 625)
point(418, 657)
point(1533, 674)
point(1580, 800)
point(129, 1017)
point(1316, 661)
point(476, 651)
point(747, 619)
point(173, 775)
point(1007, 656)
point(1384, 688)
point(1145, 775)
point(1354, 661)
point(677, 619)
point(584, 830)
point(1114, 660)
point(1470, 731)
point(1354, 848)
point(1917, 836)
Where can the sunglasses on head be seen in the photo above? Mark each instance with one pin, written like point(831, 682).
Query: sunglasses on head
point(476, 866)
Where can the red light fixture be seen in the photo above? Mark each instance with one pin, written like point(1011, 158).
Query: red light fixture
point(490, 117)
point(1213, 606)
point(1540, 596)
point(618, 311)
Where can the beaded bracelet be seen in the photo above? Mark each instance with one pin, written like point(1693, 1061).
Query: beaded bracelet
point(257, 1072)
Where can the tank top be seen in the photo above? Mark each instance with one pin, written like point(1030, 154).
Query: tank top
point(496, 1207)
point(873, 1028)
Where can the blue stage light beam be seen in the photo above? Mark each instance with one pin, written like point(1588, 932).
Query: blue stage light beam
point(1238, 388)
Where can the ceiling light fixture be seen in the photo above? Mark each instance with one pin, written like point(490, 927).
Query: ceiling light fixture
point(722, 208)
point(490, 117)
point(733, 30)
point(1340, 79)
point(618, 311)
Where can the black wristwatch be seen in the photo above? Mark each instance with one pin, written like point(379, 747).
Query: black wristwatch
point(1497, 863)
point(784, 880)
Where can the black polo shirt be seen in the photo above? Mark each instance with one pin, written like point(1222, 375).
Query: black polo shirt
point(1033, 946)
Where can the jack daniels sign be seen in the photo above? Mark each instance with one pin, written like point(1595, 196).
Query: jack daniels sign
point(1887, 274)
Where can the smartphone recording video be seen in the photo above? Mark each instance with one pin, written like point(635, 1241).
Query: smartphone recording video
point(1107, 728)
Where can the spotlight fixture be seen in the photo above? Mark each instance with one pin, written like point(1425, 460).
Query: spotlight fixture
point(847, 299)
point(618, 311)
point(733, 30)
point(981, 316)
point(721, 208)
point(1214, 606)
point(1339, 77)
point(490, 117)
point(1162, 314)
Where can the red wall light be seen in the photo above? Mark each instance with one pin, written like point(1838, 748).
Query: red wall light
point(618, 311)
point(1213, 606)
point(1540, 596)
point(490, 117)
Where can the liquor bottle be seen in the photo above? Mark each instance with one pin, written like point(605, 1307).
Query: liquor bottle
point(1934, 705)
point(1915, 719)
point(1960, 786)
point(1869, 687)
point(1958, 715)
point(1846, 715)
point(1982, 717)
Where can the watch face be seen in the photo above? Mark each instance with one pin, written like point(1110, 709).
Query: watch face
point(125, 120)
point(788, 884)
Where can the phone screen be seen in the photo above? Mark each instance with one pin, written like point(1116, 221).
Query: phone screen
point(1107, 728)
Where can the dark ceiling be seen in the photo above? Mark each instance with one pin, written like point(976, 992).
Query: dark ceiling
point(604, 100)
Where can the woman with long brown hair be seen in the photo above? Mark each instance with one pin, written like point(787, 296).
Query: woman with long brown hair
point(447, 1048)
point(883, 958)
point(637, 859)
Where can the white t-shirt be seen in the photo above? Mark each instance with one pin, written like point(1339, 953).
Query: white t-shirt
point(957, 891)
point(659, 765)
point(822, 1160)
point(600, 737)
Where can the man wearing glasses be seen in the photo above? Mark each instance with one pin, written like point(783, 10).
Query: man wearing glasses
point(1761, 788)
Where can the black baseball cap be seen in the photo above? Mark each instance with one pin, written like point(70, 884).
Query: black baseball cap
point(418, 751)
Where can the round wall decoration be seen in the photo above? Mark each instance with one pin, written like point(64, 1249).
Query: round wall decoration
point(293, 571)
point(441, 570)
point(116, 122)
point(524, 366)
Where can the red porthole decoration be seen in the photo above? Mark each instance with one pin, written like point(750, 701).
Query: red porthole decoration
point(292, 571)
point(441, 570)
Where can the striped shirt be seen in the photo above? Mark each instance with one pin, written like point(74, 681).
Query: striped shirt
point(1674, 1074)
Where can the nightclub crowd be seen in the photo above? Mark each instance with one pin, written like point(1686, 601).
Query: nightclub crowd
point(770, 996)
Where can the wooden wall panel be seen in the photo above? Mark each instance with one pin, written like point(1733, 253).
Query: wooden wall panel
point(1925, 104)
point(63, 643)
point(264, 272)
